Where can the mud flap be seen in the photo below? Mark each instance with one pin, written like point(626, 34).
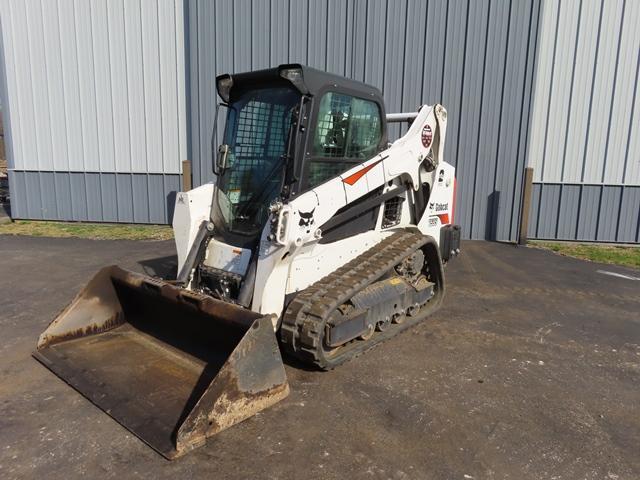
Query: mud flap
point(172, 366)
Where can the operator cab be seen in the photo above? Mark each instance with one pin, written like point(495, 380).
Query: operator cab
point(288, 129)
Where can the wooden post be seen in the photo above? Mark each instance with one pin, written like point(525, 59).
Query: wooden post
point(186, 175)
point(526, 205)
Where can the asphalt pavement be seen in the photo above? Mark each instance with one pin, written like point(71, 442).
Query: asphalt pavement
point(530, 370)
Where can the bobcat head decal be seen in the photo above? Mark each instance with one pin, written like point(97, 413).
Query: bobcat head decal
point(306, 218)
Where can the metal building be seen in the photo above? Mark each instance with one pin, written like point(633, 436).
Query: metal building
point(585, 130)
point(94, 107)
point(104, 98)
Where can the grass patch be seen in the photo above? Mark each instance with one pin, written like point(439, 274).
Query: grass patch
point(96, 231)
point(613, 254)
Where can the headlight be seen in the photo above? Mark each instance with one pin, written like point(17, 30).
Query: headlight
point(223, 85)
point(294, 75)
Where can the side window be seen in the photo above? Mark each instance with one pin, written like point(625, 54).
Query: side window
point(348, 130)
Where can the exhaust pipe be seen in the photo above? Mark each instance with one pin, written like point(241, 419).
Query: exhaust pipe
point(172, 366)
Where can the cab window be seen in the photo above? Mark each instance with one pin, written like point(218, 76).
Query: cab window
point(347, 132)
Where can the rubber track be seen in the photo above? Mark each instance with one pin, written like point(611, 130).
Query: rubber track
point(305, 318)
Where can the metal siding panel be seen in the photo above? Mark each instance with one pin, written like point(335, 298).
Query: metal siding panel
point(135, 86)
point(83, 196)
point(62, 191)
point(588, 214)
point(279, 32)
point(613, 169)
point(26, 151)
point(375, 42)
point(221, 62)
point(157, 199)
point(454, 66)
point(10, 88)
point(180, 45)
point(413, 61)
point(223, 35)
point(71, 88)
point(603, 91)
point(317, 34)
point(119, 81)
point(55, 86)
point(632, 160)
point(170, 127)
point(78, 193)
point(102, 71)
point(19, 195)
point(87, 89)
point(109, 197)
point(629, 221)
point(509, 170)
point(581, 89)
point(609, 214)
point(560, 91)
point(336, 50)
point(140, 193)
point(152, 87)
point(242, 34)
point(298, 31)
point(470, 112)
point(124, 197)
point(415, 49)
point(94, 197)
point(192, 34)
point(435, 52)
point(526, 114)
point(532, 228)
point(349, 38)
point(359, 41)
point(171, 187)
point(197, 65)
point(41, 128)
point(394, 61)
point(260, 38)
point(544, 70)
point(487, 199)
point(33, 192)
point(48, 199)
point(548, 214)
point(568, 216)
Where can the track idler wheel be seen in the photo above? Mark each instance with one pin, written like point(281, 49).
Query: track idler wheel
point(413, 310)
point(383, 324)
point(369, 333)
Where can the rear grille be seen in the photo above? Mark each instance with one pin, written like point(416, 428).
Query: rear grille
point(392, 212)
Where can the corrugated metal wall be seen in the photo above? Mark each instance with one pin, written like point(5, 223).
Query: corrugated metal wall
point(95, 107)
point(474, 56)
point(585, 137)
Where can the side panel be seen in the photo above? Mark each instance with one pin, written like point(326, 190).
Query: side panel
point(317, 260)
point(192, 208)
point(441, 205)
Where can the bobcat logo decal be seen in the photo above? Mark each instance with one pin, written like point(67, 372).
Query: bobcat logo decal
point(306, 218)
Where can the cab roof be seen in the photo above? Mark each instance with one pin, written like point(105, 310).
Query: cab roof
point(313, 81)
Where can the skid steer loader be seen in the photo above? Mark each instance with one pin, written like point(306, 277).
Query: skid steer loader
point(318, 237)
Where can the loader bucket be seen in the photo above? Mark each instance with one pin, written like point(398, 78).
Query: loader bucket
point(172, 366)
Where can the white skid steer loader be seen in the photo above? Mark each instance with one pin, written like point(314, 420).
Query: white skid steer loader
point(318, 236)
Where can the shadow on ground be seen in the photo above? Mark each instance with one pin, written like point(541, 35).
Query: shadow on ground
point(164, 267)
